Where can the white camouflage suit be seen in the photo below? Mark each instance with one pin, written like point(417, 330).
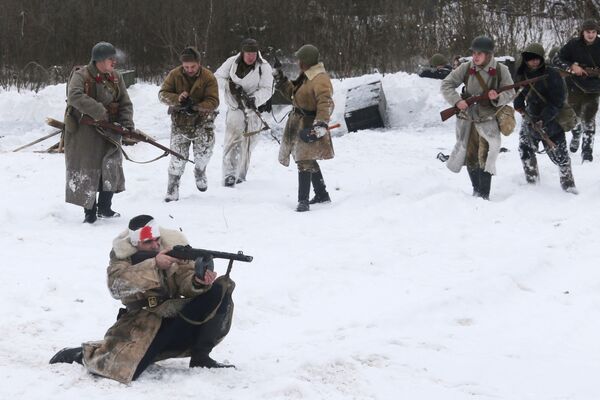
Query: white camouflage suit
point(258, 83)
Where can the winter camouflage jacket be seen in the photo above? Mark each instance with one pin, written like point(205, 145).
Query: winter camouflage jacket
point(312, 92)
point(92, 162)
point(587, 56)
point(202, 88)
point(126, 342)
point(257, 83)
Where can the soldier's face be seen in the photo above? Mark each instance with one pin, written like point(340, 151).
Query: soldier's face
point(191, 67)
point(149, 245)
point(534, 63)
point(250, 58)
point(107, 66)
point(479, 58)
point(590, 35)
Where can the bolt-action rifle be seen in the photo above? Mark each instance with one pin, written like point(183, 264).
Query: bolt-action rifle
point(126, 133)
point(450, 112)
point(589, 72)
point(549, 143)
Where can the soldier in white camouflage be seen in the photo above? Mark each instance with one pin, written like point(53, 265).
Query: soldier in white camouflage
point(192, 94)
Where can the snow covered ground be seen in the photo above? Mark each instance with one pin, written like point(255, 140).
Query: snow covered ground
point(404, 287)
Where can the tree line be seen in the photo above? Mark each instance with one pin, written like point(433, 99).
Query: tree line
point(42, 39)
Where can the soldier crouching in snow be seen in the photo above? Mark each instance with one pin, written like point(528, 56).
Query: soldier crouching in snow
point(477, 131)
point(541, 104)
point(93, 159)
point(192, 94)
point(306, 136)
point(170, 310)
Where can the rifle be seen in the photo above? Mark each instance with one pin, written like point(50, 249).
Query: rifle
point(189, 253)
point(126, 133)
point(549, 143)
point(244, 101)
point(449, 112)
point(591, 73)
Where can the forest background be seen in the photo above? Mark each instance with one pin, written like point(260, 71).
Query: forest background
point(41, 40)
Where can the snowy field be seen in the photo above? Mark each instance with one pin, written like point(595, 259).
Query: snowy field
point(404, 287)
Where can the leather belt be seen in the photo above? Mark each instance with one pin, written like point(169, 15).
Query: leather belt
point(304, 112)
point(149, 302)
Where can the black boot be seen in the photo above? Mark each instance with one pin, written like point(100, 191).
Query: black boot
point(91, 215)
point(587, 146)
point(485, 184)
point(321, 195)
point(68, 355)
point(303, 190)
point(230, 181)
point(474, 176)
point(530, 167)
point(104, 205)
point(576, 138)
point(204, 361)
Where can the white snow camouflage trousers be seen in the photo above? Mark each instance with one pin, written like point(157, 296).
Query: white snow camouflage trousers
point(237, 149)
point(202, 139)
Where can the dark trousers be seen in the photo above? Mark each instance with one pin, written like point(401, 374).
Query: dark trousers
point(176, 335)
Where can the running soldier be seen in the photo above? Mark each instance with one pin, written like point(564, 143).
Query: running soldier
point(248, 82)
point(192, 94)
point(540, 103)
point(581, 57)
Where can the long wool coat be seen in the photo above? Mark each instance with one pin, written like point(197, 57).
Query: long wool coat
point(89, 156)
point(126, 342)
point(482, 115)
point(312, 91)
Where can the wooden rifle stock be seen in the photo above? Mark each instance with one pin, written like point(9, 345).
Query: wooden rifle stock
point(449, 112)
point(137, 135)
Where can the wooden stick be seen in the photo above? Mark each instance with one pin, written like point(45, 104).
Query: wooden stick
point(38, 140)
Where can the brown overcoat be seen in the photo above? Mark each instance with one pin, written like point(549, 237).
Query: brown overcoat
point(203, 89)
point(126, 342)
point(312, 92)
point(89, 156)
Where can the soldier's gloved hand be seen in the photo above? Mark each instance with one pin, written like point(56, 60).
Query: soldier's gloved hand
point(320, 129)
point(251, 103)
point(278, 75)
point(202, 265)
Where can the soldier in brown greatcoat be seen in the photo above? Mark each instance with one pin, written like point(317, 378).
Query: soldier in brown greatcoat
point(171, 311)
point(311, 94)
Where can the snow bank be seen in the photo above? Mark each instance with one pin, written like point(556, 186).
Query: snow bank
point(404, 286)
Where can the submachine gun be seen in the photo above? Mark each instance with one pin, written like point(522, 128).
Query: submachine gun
point(189, 253)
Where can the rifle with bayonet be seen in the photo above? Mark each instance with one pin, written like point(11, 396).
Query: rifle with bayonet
point(539, 129)
point(450, 112)
point(189, 253)
point(130, 134)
